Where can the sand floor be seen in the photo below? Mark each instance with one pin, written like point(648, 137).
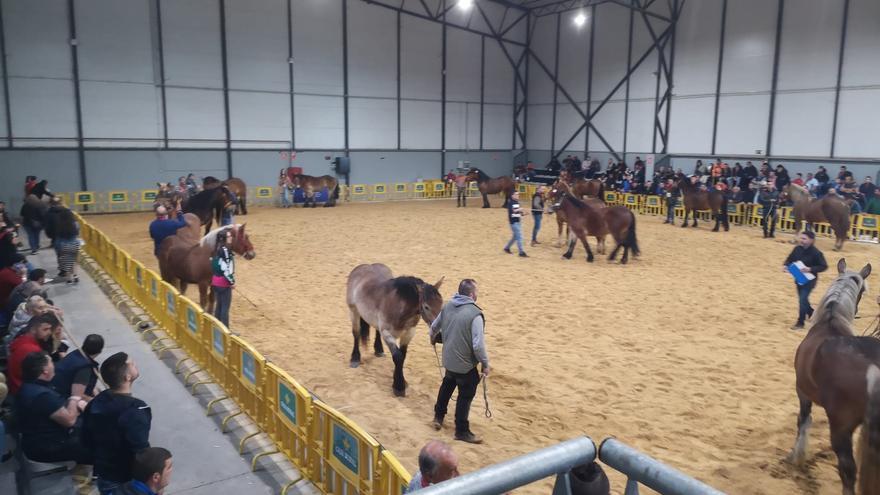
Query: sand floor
point(685, 353)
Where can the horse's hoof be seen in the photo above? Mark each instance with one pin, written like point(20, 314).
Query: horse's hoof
point(714, 230)
point(354, 364)
point(684, 225)
point(589, 259)
point(566, 257)
point(379, 354)
point(399, 393)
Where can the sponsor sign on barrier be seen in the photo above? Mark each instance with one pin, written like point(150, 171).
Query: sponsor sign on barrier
point(358, 190)
point(347, 454)
point(215, 337)
point(264, 192)
point(400, 187)
point(419, 187)
point(379, 189)
point(117, 197)
point(84, 198)
point(148, 196)
point(345, 448)
point(290, 414)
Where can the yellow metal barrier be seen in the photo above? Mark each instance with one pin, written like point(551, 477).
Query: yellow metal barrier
point(393, 477)
point(345, 455)
point(736, 213)
point(246, 390)
point(189, 333)
point(289, 407)
point(866, 227)
point(653, 205)
point(420, 190)
point(215, 336)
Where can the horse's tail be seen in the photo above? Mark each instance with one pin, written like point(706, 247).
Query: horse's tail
point(631, 240)
point(869, 467)
point(336, 191)
point(602, 190)
point(365, 332)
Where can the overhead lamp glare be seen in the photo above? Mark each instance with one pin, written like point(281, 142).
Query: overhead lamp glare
point(580, 19)
point(465, 4)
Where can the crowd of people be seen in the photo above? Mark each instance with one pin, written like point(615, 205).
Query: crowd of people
point(63, 404)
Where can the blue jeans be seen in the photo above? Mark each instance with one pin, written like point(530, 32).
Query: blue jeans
point(222, 302)
point(516, 228)
point(106, 487)
point(33, 236)
point(285, 196)
point(670, 208)
point(804, 308)
point(2, 439)
point(537, 217)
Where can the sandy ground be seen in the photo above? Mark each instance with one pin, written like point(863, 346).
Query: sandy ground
point(685, 353)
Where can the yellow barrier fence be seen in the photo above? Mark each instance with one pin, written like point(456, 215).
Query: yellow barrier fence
point(393, 477)
point(346, 457)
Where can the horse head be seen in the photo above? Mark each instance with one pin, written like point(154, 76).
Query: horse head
point(475, 174)
point(430, 301)
point(210, 182)
point(241, 243)
point(857, 277)
point(557, 193)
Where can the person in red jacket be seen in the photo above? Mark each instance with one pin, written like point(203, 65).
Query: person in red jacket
point(35, 338)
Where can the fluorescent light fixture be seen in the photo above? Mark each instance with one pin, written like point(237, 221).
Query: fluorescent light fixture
point(465, 4)
point(579, 20)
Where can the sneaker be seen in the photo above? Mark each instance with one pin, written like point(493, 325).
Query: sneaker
point(508, 251)
point(437, 424)
point(523, 255)
point(468, 437)
point(797, 326)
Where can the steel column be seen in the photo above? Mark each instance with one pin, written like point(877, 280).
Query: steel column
point(629, 53)
point(482, 83)
point(526, 87)
point(290, 82)
point(398, 80)
point(555, 85)
point(779, 17)
point(8, 115)
point(670, 81)
point(345, 73)
point(161, 50)
point(839, 74)
point(718, 80)
point(590, 75)
point(443, 98)
point(225, 69)
point(74, 55)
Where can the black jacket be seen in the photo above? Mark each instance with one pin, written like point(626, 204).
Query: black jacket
point(115, 427)
point(810, 257)
point(52, 220)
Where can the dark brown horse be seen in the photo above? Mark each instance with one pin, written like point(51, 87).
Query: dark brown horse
point(696, 199)
point(311, 185)
point(586, 219)
point(487, 185)
point(209, 205)
point(593, 188)
point(838, 371)
point(185, 258)
point(831, 209)
point(562, 220)
point(234, 184)
point(393, 307)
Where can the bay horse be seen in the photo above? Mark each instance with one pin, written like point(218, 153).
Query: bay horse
point(392, 306)
point(488, 185)
point(311, 185)
point(593, 188)
point(209, 205)
point(695, 199)
point(838, 371)
point(562, 220)
point(185, 258)
point(234, 184)
point(831, 209)
point(587, 219)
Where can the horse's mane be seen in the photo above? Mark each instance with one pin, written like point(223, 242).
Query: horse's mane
point(838, 306)
point(408, 288)
point(210, 239)
point(482, 175)
point(204, 198)
point(575, 201)
point(800, 189)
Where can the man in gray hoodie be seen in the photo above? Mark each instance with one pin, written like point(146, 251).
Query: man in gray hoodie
point(459, 326)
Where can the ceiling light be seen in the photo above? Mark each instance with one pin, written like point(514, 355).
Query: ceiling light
point(465, 4)
point(579, 20)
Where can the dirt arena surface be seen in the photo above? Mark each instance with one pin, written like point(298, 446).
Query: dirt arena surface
point(685, 353)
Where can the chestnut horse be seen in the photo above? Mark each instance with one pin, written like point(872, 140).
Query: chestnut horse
point(234, 184)
point(185, 258)
point(593, 188)
point(586, 219)
point(838, 371)
point(830, 208)
point(393, 307)
point(487, 185)
point(562, 220)
point(311, 185)
point(696, 199)
point(207, 205)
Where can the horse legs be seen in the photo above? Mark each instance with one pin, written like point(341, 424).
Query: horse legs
point(377, 346)
point(686, 213)
point(717, 217)
point(559, 241)
point(600, 245)
point(694, 217)
point(841, 443)
point(356, 332)
point(486, 201)
point(572, 240)
point(798, 453)
point(587, 247)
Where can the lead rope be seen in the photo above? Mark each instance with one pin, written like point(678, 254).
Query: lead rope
point(486, 396)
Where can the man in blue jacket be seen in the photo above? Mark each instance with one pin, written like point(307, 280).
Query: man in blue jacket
point(163, 226)
point(77, 373)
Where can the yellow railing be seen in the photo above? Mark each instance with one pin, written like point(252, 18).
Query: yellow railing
point(331, 451)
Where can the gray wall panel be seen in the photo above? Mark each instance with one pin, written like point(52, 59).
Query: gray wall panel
point(42, 108)
point(319, 121)
point(609, 122)
point(113, 110)
point(421, 57)
point(609, 62)
point(115, 41)
point(640, 126)
point(810, 44)
point(256, 37)
point(195, 114)
point(191, 39)
point(494, 163)
point(750, 45)
point(862, 43)
point(497, 125)
point(802, 126)
point(26, 22)
point(420, 124)
point(691, 124)
point(260, 117)
point(544, 48)
point(742, 124)
point(126, 169)
point(373, 123)
point(697, 36)
point(539, 128)
point(463, 66)
point(370, 167)
point(315, 163)
point(257, 168)
point(372, 50)
point(317, 47)
point(858, 126)
point(462, 126)
point(58, 167)
point(643, 82)
point(499, 73)
point(574, 45)
point(569, 120)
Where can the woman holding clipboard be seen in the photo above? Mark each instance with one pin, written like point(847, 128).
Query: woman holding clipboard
point(805, 263)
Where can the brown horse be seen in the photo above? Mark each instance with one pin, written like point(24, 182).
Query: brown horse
point(838, 371)
point(235, 185)
point(311, 185)
point(696, 200)
point(487, 185)
point(593, 188)
point(185, 258)
point(831, 209)
point(586, 219)
point(393, 307)
point(562, 220)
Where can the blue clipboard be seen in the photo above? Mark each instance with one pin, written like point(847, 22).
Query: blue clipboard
point(799, 277)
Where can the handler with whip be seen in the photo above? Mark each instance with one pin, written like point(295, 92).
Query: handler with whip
point(459, 326)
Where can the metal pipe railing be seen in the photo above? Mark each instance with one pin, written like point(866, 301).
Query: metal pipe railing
point(641, 468)
point(519, 471)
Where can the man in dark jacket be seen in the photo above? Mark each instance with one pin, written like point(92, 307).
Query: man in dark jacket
point(814, 263)
point(150, 472)
point(33, 217)
point(116, 426)
point(77, 373)
point(163, 226)
point(537, 212)
point(768, 198)
point(460, 327)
